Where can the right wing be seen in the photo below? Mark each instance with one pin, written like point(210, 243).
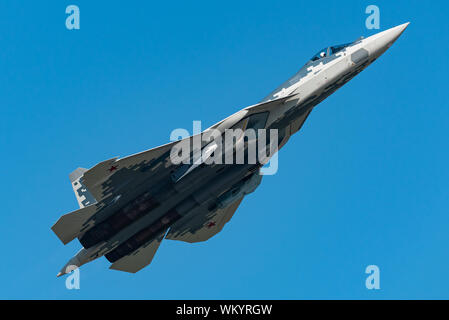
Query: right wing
point(208, 226)
point(202, 227)
point(139, 258)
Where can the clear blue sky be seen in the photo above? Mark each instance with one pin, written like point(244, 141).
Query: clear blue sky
point(365, 182)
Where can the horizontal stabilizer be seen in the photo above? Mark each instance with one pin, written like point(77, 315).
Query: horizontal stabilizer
point(70, 225)
point(140, 258)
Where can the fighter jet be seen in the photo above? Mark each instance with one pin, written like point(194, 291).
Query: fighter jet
point(129, 205)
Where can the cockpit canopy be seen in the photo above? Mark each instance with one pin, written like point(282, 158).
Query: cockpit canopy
point(326, 52)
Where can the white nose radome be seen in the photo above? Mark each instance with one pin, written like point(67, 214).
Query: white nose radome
point(380, 42)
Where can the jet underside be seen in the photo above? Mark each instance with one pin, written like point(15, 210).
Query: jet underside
point(129, 205)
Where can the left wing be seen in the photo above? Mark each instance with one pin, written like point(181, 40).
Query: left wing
point(111, 176)
point(108, 176)
point(202, 227)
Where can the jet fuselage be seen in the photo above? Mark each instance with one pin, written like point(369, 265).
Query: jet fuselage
point(142, 208)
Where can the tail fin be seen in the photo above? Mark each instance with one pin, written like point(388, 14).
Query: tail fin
point(83, 196)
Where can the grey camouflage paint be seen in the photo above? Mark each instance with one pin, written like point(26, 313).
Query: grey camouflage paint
point(205, 199)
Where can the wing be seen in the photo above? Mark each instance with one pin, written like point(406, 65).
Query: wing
point(139, 258)
point(107, 176)
point(110, 176)
point(202, 227)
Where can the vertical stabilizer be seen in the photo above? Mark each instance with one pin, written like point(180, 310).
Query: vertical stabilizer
point(83, 196)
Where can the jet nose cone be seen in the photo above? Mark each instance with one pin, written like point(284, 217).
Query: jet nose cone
point(380, 42)
point(394, 33)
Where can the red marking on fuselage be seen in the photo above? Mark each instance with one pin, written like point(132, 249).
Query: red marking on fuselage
point(211, 224)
